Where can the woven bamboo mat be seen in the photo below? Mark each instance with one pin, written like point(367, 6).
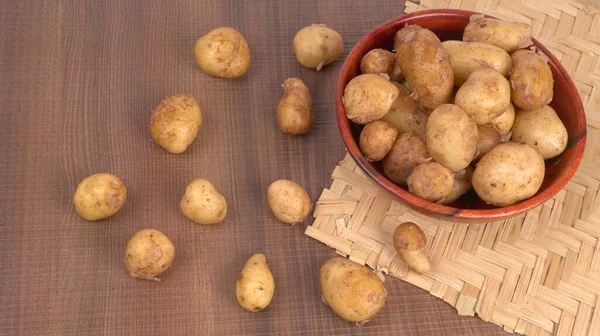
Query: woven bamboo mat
point(534, 274)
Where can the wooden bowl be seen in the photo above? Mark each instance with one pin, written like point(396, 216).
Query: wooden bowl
point(449, 24)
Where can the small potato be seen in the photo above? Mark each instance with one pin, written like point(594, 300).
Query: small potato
point(317, 45)
point(410, 242)
point(223, 52)
point(202, 203)
point(295, 111)
point(531, 80)
point(378, 61)
point(484, 96)
point(504, 122)
point(289, 201)
point(430, 181)
point(99, 196)
point(352, 291)
point(175, 122)
point(405, 115)
point(468, 56)
point(451, 137)
point(148, 253)
point(368, 98)
point(408, 151)
point(377, 139)
point(507, 35)
point(541, 129)
point(255, 287)
point(488, 138)
point(462, 184)
point(425, 65)
point(509, 173)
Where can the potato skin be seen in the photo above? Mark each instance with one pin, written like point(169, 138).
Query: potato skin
point(317, 45)
point(541, 129)
point(289, 201)
point(368, 98)
point(531, 80)
point(148, 253)
point(378, 61)
point(405, 115)
point(202, 203)
point(223, 52)
point(295, 110)
point(484, 96)
point(468, 56)
point(425, 65)
point(99, 196)
point(175, 122)
point(509, 173)
point(488, 138)
point(504, 122)
point(430, 181)
point(507, 35)
point(462, 183)
point(410, 242)
point(451, 137)
point(352, 291)
point(408, 151)
point(255, 286)
point(376, 140)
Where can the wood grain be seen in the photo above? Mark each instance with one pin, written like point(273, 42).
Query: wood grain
point(78, 81)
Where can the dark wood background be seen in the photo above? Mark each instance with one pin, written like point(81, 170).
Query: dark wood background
point(78, 81)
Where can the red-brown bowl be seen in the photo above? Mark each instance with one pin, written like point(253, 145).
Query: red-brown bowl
point(449, 24)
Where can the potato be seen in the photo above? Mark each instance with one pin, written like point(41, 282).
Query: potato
point(289, 201)
point(352, 291)
point(223, 52)
point(410, 242)
point(509, 173)
point(507, 35)
point(405, 115)
point(425, 65)
point(317, 45)
point(430, 181)
point(295, 111)
point(484, 96)
point(531, 80)
point(376, 140)
point(99, 196)
point(541, 129)
point(451, 137)
point(468, 56)
point(255, 287)
point(202, 203)
point(378, 61)
point(488, 138)
point(148, 253)
point(368, 98)
point(462, 184)
point(175, 122)
point(408, 151)
point(504, 122)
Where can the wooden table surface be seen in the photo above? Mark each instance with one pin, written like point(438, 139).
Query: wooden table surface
point(78, 81)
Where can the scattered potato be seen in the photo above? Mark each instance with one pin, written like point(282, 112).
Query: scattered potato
point(408, 151)
point(202, 203)
point(468, 56)
point(541, 129)
point(488, 138)
point(410, 242)
point(507, 35)
point(430, 181)
point(451, 137)
point(504, 122)
point(148, 253)
point(378, 61)
point(368, 98)
point(425, 65)
point(405, 115)
point(255, 287)
point(289, 201)
point(462, 184)
point(223, 52)
point(317, 45)
point(531, 80)
point(509, 173)
point(295, 111)
point(377, 139)
point(352, 291)
point(484, 96)
point(175, 122)
point(99, 196)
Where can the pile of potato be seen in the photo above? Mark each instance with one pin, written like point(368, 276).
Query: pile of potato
point(440, 116)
